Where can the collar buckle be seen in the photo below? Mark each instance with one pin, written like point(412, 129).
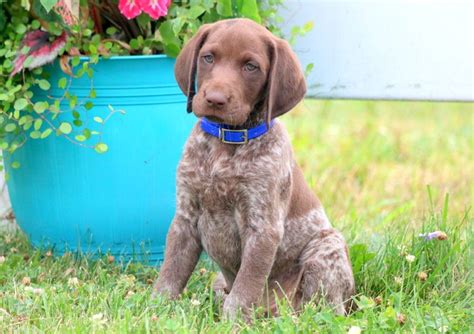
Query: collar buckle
point(244, 132)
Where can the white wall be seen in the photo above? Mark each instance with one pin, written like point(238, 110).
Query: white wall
point(387, 49)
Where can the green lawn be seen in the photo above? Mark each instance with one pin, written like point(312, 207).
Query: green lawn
point(385, 172)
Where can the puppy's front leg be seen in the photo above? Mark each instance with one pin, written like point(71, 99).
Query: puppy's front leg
point(261, 238)
point(183, 247)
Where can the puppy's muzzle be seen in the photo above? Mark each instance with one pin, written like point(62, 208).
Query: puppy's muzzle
point(216, 99)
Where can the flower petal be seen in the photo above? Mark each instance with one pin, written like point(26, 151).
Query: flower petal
point(155, 8)
point(129, 8)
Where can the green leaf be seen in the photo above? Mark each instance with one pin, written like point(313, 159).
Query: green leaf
point(87, 133)
point(98, 119)
point(40, 107)
point(27, 126)
point(72, 101)
point(3, 19)
point(24, 119)
point(76, 114)
point(80, 72)
point(92, 49)
point(16, 164)
point(142, 19)
point(65, 128)
point(28, 61)
point(101, 148)
point(364, 302)
point(10, 127)
point(89, 105)
point(94, 59)
point(80, 138)
point(55, 107)
point(35, 134)
point(35, 24)
point(224, 8)
point(75, 61)
point(170, 41)
point(93, 94)
point(308, 69)
point(134, 44)
point(20, 104)
point(3, 97)
point(196, 10)
point(8, 64)
point(20, 29)
point(96, 39)
point(249, 9)
point(62, 83)
point(171, 50)
point(166, 31)
point(38, 124)
point(46, 133)
point(50, 17)
point(178, 24)
point(112, 30)
point(48, 4)
point(43, 84)
point(77, 122)
point(308, 26)
point(24, 50)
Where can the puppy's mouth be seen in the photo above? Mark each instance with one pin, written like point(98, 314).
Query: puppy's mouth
point(220, 116)
point(215, 119)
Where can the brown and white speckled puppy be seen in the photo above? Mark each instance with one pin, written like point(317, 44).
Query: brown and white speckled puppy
point(248, 206)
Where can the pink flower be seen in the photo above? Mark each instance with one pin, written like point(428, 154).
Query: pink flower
point(155, 8)
point(129, 8)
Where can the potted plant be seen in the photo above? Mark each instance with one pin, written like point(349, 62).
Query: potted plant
point(83, 78)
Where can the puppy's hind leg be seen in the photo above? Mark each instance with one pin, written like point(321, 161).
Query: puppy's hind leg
point(327, 271)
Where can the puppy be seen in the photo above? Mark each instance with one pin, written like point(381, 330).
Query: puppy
point(240, 195)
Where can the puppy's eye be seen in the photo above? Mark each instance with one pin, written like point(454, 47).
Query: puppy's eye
point(209, 59)
point(250, 67)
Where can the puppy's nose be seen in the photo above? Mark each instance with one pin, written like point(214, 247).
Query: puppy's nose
point(216, 99)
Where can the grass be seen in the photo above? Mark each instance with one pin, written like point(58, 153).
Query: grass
point(385, 172)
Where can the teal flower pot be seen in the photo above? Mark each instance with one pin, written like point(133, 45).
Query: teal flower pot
point(71, 198)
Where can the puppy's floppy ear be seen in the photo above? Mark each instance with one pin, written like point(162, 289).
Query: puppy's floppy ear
point(186, 64)
point(286, 85)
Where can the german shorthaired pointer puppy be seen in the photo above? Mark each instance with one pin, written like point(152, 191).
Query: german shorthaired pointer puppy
point(240, 195)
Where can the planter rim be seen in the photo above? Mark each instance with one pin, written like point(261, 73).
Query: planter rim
point(130, 57)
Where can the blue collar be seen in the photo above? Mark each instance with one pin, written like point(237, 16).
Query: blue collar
point(230, 136)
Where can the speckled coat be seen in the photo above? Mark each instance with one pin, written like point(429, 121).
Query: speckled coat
point(248, 206)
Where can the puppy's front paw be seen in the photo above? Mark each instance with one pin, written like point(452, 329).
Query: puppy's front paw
point(164, 290)
point(233, 306)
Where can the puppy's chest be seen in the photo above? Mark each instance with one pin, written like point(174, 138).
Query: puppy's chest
point(219, 178)
point(218, 183)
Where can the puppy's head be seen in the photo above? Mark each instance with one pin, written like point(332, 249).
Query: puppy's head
point(234, 68)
